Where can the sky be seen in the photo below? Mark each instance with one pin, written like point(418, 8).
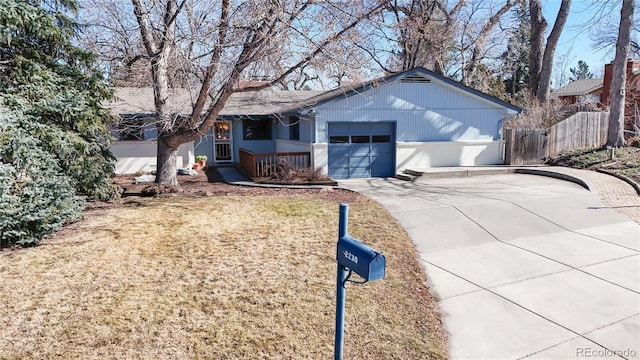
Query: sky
point(574, 41)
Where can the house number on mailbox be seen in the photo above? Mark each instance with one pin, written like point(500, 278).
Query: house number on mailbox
point(350, 256)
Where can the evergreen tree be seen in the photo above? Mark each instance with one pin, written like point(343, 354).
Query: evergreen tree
point(516, 57)
point(55, 135)
point(581, 72)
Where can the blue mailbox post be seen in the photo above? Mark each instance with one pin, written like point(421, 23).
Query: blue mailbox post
point(352, 256)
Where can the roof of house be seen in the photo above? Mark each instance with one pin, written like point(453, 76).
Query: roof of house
point(350, 90)
point(267, 102)
point(579, 87)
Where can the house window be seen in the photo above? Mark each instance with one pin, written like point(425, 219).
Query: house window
point(129, 129)
point(256, 129)
point(360, 139)
point(381, 138)
point(338, 139)
point(294, 128)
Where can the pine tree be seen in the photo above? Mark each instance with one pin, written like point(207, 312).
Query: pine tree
point(55, 135)
point(516, 56)
point(581, 72)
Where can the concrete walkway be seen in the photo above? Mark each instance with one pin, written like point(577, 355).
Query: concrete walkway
point(526, 266)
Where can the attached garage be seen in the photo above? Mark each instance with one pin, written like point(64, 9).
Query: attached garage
point(411, 120)
point(361, 150)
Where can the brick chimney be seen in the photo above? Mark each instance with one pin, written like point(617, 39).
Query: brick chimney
point(632, 65)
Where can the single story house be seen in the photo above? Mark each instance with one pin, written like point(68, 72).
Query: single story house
point(596, 92)
point(413, 119)
point(584, 91)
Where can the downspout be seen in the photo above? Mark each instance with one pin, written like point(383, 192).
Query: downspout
point(501, 143)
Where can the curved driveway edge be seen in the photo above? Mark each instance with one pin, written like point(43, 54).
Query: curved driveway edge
point(526, 267)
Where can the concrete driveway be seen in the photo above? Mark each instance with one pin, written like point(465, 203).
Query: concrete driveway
point(525, 266)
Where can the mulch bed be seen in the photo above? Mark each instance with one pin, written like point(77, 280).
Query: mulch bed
point(210, 183)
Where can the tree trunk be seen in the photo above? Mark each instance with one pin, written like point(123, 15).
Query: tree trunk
point(167, 168)
point(546, 68)
point(166, 172)
point(159, 52)
point(538, 28)
point(615, 136)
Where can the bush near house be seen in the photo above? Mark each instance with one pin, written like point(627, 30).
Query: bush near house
point(36, 197)
point(54, 135)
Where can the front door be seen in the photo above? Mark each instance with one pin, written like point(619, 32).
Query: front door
point(222, 142)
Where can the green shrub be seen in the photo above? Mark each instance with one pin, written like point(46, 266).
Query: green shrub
point(36, 197)
point(54, 136)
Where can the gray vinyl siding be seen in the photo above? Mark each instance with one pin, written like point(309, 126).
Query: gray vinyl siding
point(204, 146)
point(306, 131)
point(423, 112)
point(282, 130)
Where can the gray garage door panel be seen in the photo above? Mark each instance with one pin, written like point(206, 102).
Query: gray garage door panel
point(359, 150)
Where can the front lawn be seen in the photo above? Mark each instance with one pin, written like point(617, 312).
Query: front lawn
point(216, 277)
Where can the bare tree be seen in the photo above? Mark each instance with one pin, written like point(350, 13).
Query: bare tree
point(603, 28)
point(476, 45)
point(541, 56)
point(424, 31)
point(615, 136)
point(218, 43)
point(458, 39)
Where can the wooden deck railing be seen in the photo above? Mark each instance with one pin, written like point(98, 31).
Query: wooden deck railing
point(266, 165)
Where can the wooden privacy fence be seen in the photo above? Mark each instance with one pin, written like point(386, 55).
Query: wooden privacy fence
point(532, 146)
point(525, 146)
point(267, 164)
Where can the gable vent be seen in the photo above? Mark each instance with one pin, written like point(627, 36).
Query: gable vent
point(415, 78)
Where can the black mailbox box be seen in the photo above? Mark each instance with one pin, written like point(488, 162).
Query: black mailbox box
point(361, 259)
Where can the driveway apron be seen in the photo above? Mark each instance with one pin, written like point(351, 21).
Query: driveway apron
point(526, 267)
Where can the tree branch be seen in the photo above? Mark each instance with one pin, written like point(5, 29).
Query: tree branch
point(146, 32)
point(318, 50)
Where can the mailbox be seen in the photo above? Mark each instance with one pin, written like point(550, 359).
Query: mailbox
point(360, 258)
point(356, 257)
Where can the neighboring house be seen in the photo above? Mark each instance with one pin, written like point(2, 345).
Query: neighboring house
point(597, 92)
point(632, 85)
point(586, 91)
point(413, 119)
point(632, 96)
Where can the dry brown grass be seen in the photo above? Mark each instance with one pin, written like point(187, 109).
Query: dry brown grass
point(214, 278)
